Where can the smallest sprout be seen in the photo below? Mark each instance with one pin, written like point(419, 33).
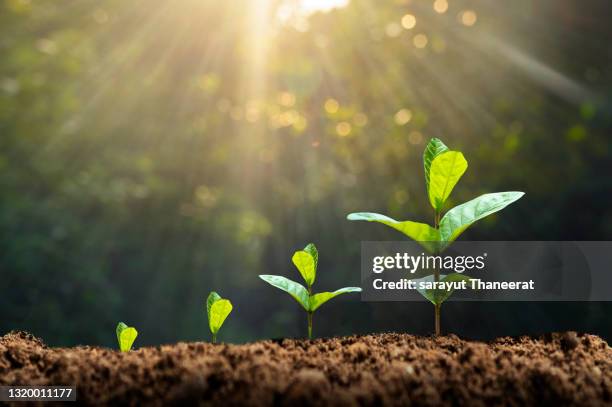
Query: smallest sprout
point(126, 335)
point(217, 310)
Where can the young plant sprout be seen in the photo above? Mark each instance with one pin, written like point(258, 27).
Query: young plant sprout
point(443, 169)
point(126, 335)
point(217, 309)
point(306, 262)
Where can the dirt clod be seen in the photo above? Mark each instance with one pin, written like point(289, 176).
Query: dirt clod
point(386, 369)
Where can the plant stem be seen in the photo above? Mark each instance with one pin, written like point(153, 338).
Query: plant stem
point(310, 325)
point(436, 279)
point(437, 318)
point(214, 339)
point(309, 313)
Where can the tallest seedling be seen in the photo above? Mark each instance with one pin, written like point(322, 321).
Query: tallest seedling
point(443, 169)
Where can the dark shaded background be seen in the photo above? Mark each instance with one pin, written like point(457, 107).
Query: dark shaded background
point(151, 151)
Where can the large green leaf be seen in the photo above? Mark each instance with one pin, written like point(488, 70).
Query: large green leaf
point(321, 298)
point(219, 310)
point(125, 336)
point(434, 148)
point(420, 232)
point(306, 264)
point(438, 296)
point(446, 170)
point(212, 297)
point(296, 290)
point(462, 216)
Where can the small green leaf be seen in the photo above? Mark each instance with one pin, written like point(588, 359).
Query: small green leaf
point(212, 298)
point(434, 148)
point(438, 296)
point(219, 310)
point(125, 336)
point(446, 170)
point(296, 290)
point(306, 264)
point(312, 249)
point(422, 233)
point(321, 298)
point(458, 219)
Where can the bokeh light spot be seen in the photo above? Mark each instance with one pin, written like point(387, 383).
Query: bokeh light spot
point(420, 40)
point(343, 129)
point(415, 137)
point(331, 106)
point(440, 6)
point(393, 30)
point(408, 21)
point(402, 117)
point(468, 18)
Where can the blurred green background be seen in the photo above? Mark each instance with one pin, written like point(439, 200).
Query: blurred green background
point(151, 151)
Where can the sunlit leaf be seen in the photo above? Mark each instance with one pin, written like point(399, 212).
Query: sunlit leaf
point(125, 336)
point(306, 264)
point(212, 297)
point(434, 148)
point(296, 290)
point(219, 310)
point(312, 249)
point(321, 298)
point(462, 216)
point(420, 232)
point(446, 170)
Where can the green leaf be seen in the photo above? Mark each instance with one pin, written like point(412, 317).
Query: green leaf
point(125, 336)
point(420, 232)
point(438, 296)
point(219, 310)
point(312, 249)
point(306, 264)
point(434, 148)
point(212, 298)
point(462, 216)
point(321, 298)
point(446, 170)
point(296, 290)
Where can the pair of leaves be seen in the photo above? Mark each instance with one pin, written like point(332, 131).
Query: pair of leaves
point(126, 335)
point(443, 169)
point(310, 303)
point(454, 222)
point(438, 296)
point(217, 310)
point(306, 262)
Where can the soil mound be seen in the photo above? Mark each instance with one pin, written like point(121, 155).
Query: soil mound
point(373, 370)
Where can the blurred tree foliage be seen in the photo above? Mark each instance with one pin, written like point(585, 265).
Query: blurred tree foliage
point(151, 151)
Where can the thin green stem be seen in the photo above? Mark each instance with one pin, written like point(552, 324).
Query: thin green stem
point(309, 313)
point(437, 318)
point(214, 338)
point(309, 325)
point(436, 279)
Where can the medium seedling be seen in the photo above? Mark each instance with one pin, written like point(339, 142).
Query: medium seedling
point(306, 262)
point(126, 335)
point(217, 310)
point(443, 169)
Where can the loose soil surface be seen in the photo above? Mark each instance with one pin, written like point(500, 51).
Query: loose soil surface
point(373, 370)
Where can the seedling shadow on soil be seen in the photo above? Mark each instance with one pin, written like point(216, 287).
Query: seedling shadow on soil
point(372, 370)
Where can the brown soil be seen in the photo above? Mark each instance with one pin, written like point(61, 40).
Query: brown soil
point(373, 370)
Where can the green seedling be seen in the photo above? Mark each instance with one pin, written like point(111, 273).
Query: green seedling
point(306, 262)
point(126, 335)
point(217, 309)
point(443, 169)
